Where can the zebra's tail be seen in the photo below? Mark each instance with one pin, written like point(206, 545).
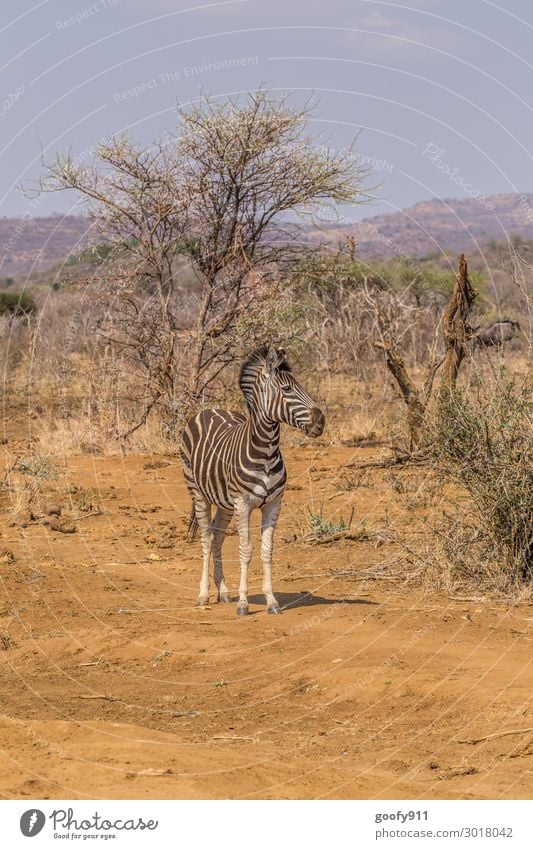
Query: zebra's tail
point(193, 525)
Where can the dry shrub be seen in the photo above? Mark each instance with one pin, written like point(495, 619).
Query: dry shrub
point(25, 484)
point(15, 332)
point(485, 446)
point(348, 303)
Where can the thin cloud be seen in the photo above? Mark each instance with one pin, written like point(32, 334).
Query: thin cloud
point(389, 34)
point(376, 31)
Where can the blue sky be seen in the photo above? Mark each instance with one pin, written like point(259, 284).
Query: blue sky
point(440, 89)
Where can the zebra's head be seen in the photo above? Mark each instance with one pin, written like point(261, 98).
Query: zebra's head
point(272, 391)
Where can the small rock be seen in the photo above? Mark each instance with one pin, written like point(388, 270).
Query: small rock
point(53, 509)
point(63, 527)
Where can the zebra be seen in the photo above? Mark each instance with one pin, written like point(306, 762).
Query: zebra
point(233, 462)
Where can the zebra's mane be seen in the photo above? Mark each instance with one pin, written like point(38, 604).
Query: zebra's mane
point(251, 368)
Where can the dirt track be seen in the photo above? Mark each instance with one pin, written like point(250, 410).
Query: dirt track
point(115, 686)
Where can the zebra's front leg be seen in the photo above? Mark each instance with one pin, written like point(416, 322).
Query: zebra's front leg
point(270, 514)
point(242, 510)
point(221, 522)
point(202, 510)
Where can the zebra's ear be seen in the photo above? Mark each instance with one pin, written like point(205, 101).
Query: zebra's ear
point(273, 359)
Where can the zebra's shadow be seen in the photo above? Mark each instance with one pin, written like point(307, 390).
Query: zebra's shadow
point(288, 601)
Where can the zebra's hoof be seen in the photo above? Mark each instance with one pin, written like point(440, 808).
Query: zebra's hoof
point(273, 608)
point(225, 598)
point(203, 601)
point(242, 610)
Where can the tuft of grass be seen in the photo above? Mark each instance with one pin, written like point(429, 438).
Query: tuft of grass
point(6, 642)
point(408, 693)
point(7, 557)
point(36, 466)
point(82, 499)
point(322, 527)
point(350, 482)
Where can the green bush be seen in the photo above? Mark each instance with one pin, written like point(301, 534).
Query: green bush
point(327, 274)
point(94, 253)
point(17, 303)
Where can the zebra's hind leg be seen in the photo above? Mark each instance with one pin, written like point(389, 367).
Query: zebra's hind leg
point(203, 516)
point(220, 523)
point(270, 514)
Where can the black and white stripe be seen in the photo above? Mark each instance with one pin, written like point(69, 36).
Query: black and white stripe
point(234, 462)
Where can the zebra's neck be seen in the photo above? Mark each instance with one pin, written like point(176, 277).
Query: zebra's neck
point(264, 435)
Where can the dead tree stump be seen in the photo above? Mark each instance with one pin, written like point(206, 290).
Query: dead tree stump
point(456, 332)
point(455, 326)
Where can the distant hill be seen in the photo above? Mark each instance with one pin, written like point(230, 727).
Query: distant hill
point(430, 226)
point(439, 226)
point(28, 244)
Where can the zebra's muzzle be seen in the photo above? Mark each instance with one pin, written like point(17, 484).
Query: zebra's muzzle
point(316, 424)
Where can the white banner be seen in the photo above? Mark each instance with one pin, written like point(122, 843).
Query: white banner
point(267, 824)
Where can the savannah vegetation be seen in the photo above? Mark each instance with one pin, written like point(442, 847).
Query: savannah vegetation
point(201, 251)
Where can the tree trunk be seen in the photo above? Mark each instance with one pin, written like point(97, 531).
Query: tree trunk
point(456, 328)
point(416, 407)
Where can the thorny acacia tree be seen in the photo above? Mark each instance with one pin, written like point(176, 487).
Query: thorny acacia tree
point(219, 191)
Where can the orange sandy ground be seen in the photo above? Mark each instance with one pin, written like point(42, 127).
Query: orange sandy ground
point(115, 686)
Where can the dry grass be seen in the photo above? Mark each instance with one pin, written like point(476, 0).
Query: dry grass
point(23, 486)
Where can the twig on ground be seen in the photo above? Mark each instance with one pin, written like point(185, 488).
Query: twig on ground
point(92, 662)
point(458, 772)
point(475, 740)
point(231, 739)
point(87, 515)
point(360, 536)
point(388, 462)
point(106, 698)
point(466, 597)
point(309, 577)
point(150, 772)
